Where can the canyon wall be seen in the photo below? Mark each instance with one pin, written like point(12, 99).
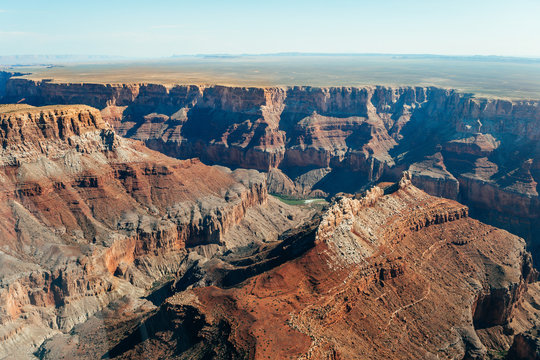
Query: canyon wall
point(317, 141)
point(88, 217)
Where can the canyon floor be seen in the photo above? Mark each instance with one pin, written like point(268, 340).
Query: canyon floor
point(203, 221)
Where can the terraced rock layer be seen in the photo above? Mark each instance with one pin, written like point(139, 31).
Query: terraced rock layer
point(317, 141)
point(87, 218)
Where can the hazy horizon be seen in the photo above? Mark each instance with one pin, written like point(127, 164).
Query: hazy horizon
point(285, 53)
point(484, 76)
point(18, 60)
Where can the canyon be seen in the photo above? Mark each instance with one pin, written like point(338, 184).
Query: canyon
point(140, 219)
point(365, 278)
point(319, 141)
point(89, 217)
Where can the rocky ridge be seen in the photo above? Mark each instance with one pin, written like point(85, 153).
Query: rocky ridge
point(355, 287)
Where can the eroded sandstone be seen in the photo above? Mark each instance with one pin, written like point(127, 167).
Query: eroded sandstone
point(403, 275)
point(482, 152)
point(89, 217)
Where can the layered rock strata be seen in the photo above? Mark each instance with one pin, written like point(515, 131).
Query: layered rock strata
point(87, 217)
point(315, 141)
point(403, 275)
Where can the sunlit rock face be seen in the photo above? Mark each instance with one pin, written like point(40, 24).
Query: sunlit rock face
point(88, 217)
point(316, 141)
point(403, 275)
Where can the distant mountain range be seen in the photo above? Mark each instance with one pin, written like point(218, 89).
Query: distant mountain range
point(45, 60)
point(490, 58)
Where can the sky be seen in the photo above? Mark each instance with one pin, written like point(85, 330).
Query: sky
point(157, 28)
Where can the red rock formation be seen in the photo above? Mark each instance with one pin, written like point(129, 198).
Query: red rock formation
point(313, 141)
point(403, 275)
point(88, 217)
point(362, 134)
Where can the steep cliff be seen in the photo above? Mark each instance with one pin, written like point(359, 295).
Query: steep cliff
point(525, 347)
point(482, 152)
point(403, 275)
point(87, 217)
point(4, 77)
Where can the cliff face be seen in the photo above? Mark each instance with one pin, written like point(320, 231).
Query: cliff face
point(482, 152)
point(4, 77)
point(525, 347)
point(87, 217)
point(369, 276)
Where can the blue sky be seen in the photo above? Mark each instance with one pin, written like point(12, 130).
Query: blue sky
point(163, 28)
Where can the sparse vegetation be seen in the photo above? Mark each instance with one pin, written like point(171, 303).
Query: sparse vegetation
point(497, 354)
